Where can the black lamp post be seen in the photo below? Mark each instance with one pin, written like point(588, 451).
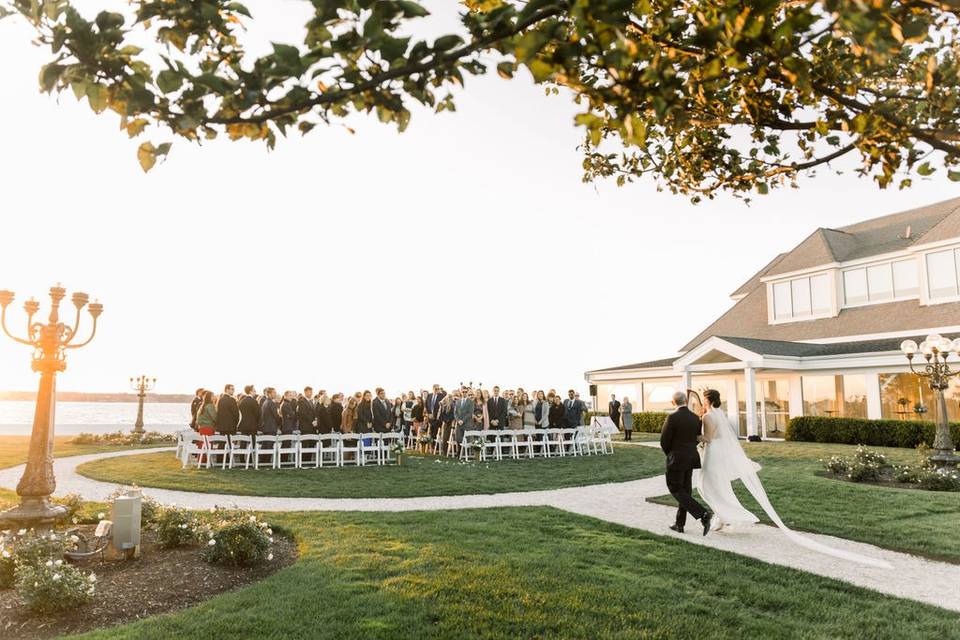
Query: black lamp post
point(141, 385)
point(935, 350)
point(49, 342)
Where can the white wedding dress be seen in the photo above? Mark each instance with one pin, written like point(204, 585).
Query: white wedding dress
point(724, 461)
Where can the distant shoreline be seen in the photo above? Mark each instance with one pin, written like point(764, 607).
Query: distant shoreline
point(76, 396)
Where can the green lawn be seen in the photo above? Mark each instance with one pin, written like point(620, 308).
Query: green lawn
point(417, 476)
point(921, 522)
point(530, 573)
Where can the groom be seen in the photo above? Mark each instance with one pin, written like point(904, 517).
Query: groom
point(678, 439)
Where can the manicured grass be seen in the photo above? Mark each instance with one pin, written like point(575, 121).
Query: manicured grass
point(417, 476)
point(529, 573)
point(920, 522)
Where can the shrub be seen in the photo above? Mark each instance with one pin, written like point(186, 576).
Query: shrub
point(878, 433)
point(6, 560)
point(53, 586)
point(73, 502)
point(837, 465)
point(121, 438)
point(649, 421)
point(238, 539)
point(31, 550)
point(175, 527)
point(938, 479)
point(906, 474)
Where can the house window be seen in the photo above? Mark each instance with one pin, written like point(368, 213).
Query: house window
point(904, 396)
point(844, 396)
point(658, 396)
point(801, 298)
point(881, 282)
point(942, 269)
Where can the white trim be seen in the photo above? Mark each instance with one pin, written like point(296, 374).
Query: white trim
point(874, 403)
point(714, 344)
point(907, 333)
point(809, 271)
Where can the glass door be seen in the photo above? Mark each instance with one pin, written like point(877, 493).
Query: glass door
point(773, 407)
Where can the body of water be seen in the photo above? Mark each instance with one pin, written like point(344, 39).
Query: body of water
point(16, 417)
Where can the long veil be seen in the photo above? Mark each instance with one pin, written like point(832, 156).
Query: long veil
point(738, 465)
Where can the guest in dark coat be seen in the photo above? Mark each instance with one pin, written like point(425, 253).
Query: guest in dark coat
point(613, 410)
point(307, 412)
point(228, 412)
point(557, 414)
point(382, 412)
point(288, 413)
point(335, 411)
point(498, 410)
point(270, 420)
point(365, 414)
point(324, 425)
point(249, 412)
point(195, 405)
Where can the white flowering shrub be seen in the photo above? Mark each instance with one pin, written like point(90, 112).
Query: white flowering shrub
point(938, 479)
point(54, 586)
point(6, 560)
point(175, 527)
point(869, 466)
point(237, 539)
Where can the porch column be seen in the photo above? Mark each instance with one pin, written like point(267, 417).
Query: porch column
point(874, 410)
point(686, 379)
point(796, 396)
point(750, 396)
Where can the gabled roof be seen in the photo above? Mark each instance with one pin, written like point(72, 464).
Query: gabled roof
point(652, 364)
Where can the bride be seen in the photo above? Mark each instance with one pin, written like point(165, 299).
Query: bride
point(723, 461)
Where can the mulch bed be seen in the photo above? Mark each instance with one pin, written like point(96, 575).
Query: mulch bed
point(160, 581)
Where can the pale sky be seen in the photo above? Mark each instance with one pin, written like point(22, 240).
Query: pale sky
point(464, 249)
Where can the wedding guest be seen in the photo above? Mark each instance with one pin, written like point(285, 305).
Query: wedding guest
point(365, 413)
point(574, 409)
point(542, 410)
point(249, 412)
point(517, 408)
point(324, 424)
point(480, 415)
point(417, 416)
point(498, 410)
point(627, 418)
point(557, 414)
point(529, 411)
point(464, 412)
point(382, 412)
point(307, 411)
point(398, 414)
point(270, 420)
point(195, 405)
point(228, 412)
point(335, 412)
point(207, 414)
point(448, 431)
point(613, 410)
point(348, 419)
point(407, 404)
point(288, 413)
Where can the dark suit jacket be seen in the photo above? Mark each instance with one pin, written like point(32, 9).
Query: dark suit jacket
point(288, 414)
point(270, 421)
point(678, 439)
point(335, 415)
point(433, 405)
point(497, 409)
point(306, 414)
point(194, 407)
point(556, 416)
point(249, 415)
point(614, 411)
point(323, 419)
point(364, 417)
point(228, 414)
point(382, 415)
point(573, 412)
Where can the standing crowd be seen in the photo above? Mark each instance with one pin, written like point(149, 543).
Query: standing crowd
point(426, 416)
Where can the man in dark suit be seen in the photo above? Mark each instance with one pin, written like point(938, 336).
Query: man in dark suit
point(573, 409)
point(433, 408)
point(335, 411)
point(249, 411)
point(270, 420)
point(307, 411)
point(613, 410)
point(195, 405)
point(497, 408)
point(228, 412)
point(288, 412)
point(678, 439)
point(382, 412)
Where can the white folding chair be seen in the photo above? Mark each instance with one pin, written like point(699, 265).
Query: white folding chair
point(194, 447)
point(287, 445)
point(606, 441)
point(329, 449)
point(370, 448)
point(554, 442)
point(412, 438)
point(350, 443)
point(452, 444)
point(507, 442)
point(581, 440)
point(539, 444)
point(240, 447)
point(491, 445)
point(569, 438)
point(470, 438)
point(218, 451)
point(387, 443)
point(265, 446)
point(308, 444)
point(525, 440)
point(182, 435)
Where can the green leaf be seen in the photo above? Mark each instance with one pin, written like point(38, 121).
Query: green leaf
point(237, 7)
point(445, 43)
point(146, 155)
point(925, 169)
point(169, 81)
point(49, 75)
point(412, 9)
point(97, 97)
point(286, 54)
point(954, 175)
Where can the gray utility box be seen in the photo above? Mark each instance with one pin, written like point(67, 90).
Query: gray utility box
point(125, 514)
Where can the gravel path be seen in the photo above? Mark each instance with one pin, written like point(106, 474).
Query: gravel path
point(622, 503)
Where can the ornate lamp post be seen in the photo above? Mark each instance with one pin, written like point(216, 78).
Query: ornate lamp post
point(49, 342)
point(141, 385)
point(935, 350)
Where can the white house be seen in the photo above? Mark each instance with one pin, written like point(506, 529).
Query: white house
point(817, 330)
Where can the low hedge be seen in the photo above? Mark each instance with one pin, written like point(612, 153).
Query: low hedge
point(877, 433)
point(648, 421)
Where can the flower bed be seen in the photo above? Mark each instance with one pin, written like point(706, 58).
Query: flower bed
point(868, 466)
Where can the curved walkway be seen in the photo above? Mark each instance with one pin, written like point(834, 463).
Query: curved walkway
point(622, 503)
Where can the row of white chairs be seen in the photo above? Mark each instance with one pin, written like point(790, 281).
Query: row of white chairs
point(532, 443)
point(286, 451)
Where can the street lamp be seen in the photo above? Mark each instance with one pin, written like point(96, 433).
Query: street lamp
point(141, 385)
point(49, 342)
point(935, 350)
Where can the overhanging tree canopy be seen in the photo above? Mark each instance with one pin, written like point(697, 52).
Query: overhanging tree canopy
point(704, 95)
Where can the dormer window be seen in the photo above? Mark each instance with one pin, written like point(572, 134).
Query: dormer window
point(882, 282)
point(943, 269)
point(801, 298)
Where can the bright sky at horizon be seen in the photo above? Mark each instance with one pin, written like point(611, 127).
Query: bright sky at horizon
point(464, 249)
